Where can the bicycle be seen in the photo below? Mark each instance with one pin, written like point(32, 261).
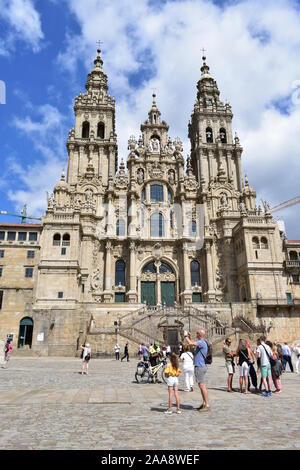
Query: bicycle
point(153, 371)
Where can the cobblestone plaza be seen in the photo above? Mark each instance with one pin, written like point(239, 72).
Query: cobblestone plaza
point(45, 403)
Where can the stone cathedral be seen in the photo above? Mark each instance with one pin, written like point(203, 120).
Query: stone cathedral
point(140, 253)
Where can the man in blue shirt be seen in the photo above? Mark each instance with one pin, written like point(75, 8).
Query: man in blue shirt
point(200, 366)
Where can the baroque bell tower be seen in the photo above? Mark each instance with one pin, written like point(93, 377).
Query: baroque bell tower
point(215, 154)
point(92, 144)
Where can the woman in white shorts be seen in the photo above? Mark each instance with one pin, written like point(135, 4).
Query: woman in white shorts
point(243, 357)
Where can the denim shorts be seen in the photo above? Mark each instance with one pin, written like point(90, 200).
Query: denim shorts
point(172, 382)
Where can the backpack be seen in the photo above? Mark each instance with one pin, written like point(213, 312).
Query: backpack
point(87, 357)
point(208, 357)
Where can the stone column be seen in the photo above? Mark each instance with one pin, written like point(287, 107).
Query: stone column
point(80, 160)
point(132, 294)
point(107, 294)
point(210, 293)
point(158, 286)
point(187, 294)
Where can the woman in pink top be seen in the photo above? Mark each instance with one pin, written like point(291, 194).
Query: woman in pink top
point(8, 350)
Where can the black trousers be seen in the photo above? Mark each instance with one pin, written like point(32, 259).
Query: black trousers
point(117, 356)
point(287, 359)
point(125, 355)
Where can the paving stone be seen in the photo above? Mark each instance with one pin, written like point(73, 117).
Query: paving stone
point(49, 405)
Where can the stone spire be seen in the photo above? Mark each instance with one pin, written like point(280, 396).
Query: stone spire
point(154, 113)
point(97, 79)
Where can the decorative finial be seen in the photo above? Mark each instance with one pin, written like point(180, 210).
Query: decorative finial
point(205, 67)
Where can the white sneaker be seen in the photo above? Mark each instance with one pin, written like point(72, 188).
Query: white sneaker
point(168, 412)
point(187, 390)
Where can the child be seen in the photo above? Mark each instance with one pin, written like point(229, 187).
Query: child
point(172, 371)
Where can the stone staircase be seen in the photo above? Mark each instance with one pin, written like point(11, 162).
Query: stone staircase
point(149, 324)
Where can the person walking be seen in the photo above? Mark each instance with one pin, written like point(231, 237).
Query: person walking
point(172, 372)
point(117, 352)
point(181, 349)
point(243, 358)
point(296, 351)
point(200, 365)
point(187, 359)
point(287, 357)
point(264, 352)
point(86, 356)
point(7, 352)
point(229, 355)
point(126, 352)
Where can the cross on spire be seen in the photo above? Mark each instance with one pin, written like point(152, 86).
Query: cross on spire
point(99, 43)
point(203, 52)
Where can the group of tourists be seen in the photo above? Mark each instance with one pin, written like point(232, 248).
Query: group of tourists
point(268, 360)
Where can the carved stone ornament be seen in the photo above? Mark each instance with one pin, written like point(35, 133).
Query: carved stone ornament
point(156, 171)
point(157, 251)
point(96, 280)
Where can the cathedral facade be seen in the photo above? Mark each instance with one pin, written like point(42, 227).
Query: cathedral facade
point(143, 252)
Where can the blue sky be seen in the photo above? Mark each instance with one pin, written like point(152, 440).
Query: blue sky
point(47, 48)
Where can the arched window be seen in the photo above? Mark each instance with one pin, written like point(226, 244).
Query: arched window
point(120, 273)
point(100, 130)
point(209, 135)
point(165, 268)
point(56, 239)
point(264, 243)
point(66, 240)
point(255, 243)
point(157, 225)
point(293, 256)
point(223, 136)
point(193, 228)
point(156, 193)
point(120, 228)
point(150, 267)
point(85, 130)
point(195, 273)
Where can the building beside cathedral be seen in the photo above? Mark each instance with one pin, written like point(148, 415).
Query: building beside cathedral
point(144, 253)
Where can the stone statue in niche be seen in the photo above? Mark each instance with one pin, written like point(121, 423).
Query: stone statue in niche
point(224, 201)
point(171, 177)
point(154, 145)
point(140, 176)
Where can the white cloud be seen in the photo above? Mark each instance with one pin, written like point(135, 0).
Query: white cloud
point(47, 134)
point(24, 25)
point(252, 48)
